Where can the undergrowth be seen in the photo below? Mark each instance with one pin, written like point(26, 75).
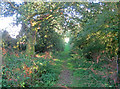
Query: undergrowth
point(21, 71)
point(88, 73)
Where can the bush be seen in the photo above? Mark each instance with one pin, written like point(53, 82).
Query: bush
point(24, 72)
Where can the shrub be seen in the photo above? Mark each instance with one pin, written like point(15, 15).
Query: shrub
point(24, 72)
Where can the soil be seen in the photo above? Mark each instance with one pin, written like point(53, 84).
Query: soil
point(65, 77)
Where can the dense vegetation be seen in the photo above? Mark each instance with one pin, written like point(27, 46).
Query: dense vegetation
point(39, 56)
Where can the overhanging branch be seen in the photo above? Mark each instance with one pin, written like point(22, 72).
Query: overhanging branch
point(13, 6)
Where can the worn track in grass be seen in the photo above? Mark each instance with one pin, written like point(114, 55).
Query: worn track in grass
point(66, 75)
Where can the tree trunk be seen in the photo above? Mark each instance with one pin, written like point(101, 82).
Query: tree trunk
point(30, 50)
point(118, 61)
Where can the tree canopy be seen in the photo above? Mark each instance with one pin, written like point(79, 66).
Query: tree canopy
point(92, 29)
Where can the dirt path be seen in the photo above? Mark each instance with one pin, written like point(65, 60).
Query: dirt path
point(65, 77)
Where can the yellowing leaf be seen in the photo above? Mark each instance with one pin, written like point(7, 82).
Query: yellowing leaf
point(106, 26)
point(55, 59)
point(111, 72)
point(48, 17)
point(41, 64)
point(34, 23)
point(14, 47)
point(45, 36)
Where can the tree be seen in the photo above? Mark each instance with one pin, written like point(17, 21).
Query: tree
point(32, 15)
point(7, 40)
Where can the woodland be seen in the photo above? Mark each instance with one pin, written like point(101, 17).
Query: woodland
point(62, 44)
